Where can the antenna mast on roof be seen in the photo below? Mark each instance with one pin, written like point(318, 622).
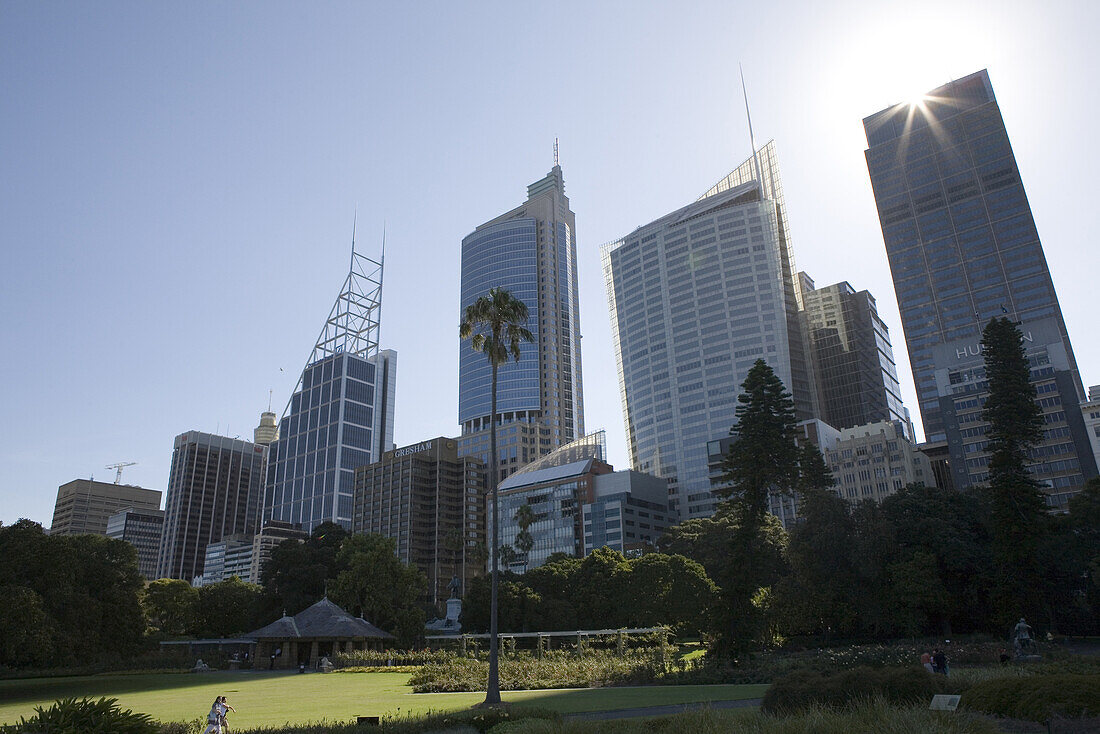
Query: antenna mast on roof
point(555, 152)
point(752, 141)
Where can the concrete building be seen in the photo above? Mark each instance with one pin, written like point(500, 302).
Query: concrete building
point(141, 529)
point(230, 556)
point(696, 297)
point(340, 415)
point(963, 249)
point(783, 506)
point(431, 501)
point(857, 381)
point(85, 505)
point(271, 534)
point(580, 503)
point(874, 461)
point(1090, 411)
point(215, 489)
point(532, 252)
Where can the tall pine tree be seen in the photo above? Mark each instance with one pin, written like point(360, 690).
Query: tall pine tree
point(1018, 511)
point(762, 461)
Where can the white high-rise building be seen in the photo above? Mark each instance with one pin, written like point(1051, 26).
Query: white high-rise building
point(696, 298)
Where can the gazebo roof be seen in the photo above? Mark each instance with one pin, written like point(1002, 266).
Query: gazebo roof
point(323, 620)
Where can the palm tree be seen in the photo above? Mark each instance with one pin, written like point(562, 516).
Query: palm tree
point(495, 325)
point(525, 517)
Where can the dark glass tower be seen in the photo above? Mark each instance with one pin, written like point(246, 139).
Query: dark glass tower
point(963, 249)
point(857, 381)
point(530, 251)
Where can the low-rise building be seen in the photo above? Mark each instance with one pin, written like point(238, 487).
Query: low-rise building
point(85, 505)
point(230, 556)
point(874, 461)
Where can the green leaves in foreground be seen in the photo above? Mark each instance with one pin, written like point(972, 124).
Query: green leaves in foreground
point(85, 716)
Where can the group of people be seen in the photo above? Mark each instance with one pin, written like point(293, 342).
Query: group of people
point(935, 662)
point(215, 720)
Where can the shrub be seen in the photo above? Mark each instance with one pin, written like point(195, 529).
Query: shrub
point(378, 658)
point(85, 716)
point(806, 689)
point(556, 669)
point(1036, 697)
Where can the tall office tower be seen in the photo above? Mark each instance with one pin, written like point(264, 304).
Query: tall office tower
point(340, 416)
point(141, 529)
point(531, 251)
point(963, 249)
point(857, 381)
point(215, 488)
point(431, 501)
point(85, 505)
point(696, 298)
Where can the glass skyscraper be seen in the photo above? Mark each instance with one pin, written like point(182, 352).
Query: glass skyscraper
point(857, 381)
point(963, 249)
point(530, 251)
point(696, 297)
point(340, 416)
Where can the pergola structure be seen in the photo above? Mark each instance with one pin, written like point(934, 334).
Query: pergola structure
point(321, 630)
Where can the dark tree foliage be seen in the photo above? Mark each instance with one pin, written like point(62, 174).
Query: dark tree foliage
point(1018, 511)
point(705, 540)
point(75, 596)
point(764, 457)
point(375, 583)
point(762, 461)
point(228, 608)
point(949, 527)
point(604, 590)
point(813, 472)
point(171, 608)
point(295, 575)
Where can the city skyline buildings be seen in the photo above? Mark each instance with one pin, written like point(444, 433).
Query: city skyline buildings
point(234, 201)
point(696, 298)
point(530, 251)
point(964, 249)
point(341, 414)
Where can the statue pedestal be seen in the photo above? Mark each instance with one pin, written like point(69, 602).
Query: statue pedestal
point(454, 610)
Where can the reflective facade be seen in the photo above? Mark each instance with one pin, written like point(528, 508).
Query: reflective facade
point(963, 249)
point(141, 529)
point(696, 297)
point(531, 251)
point(857, 381)
point(339, 419)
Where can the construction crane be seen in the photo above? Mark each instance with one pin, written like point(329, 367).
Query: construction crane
point(118, 469)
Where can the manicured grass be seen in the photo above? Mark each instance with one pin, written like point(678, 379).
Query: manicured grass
point(276, 698)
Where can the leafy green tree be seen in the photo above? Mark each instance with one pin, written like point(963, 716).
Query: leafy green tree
point(705, 540)
point(918, 595)
point(763, 460)
point(228, 608)
point(25, 633)
point(951, 527)
point(599, 585)
point(520, 608)
point(813, 472)
point(294, 576)
point(171, 607)
point(670, 590)
point(1019, 517)
point(817, 596)
point(495, 326)
point(375, 583)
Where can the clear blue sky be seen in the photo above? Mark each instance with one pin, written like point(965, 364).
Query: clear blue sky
point(177, 182)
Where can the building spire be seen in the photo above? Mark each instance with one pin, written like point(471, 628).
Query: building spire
point(752, 141)
point(555, 152)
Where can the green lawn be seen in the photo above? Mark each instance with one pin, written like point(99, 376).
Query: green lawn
point(277, 698)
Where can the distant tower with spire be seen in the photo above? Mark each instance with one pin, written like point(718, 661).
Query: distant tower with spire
point(340, 415)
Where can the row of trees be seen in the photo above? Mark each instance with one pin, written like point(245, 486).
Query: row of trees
point(604, 590)
point(926, 560)
point(75, 600)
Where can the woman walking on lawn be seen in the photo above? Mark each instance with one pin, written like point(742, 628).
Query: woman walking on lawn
point(215, 720)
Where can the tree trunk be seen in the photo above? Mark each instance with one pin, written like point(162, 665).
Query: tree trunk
point(492, 689)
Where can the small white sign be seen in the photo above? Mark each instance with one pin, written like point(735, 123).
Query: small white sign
point(944, 703)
